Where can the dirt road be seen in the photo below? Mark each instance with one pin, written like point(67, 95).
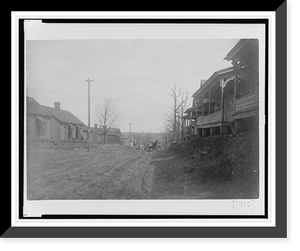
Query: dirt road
point(123, 172)
point(112, 172)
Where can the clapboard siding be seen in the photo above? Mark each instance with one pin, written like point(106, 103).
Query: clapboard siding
point(247, 103)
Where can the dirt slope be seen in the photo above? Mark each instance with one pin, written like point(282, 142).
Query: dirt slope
point(213, 167)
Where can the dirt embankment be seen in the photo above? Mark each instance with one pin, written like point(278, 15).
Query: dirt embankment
point(213, 167)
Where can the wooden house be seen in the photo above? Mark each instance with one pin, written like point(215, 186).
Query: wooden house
point(113, 135)
point(124, 140)
point(228, 101)
point(98, 135)
point(64, 125)
point(38, 122)
point(244, 58)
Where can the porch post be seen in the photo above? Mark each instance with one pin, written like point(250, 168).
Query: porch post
point(235, 69)
point(222, 99)
point(196, 110)
point(202, 105)
point(191, 121)
point(209, 105)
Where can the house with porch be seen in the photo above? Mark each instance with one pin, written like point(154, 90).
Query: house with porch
point(52, 127)
point(66, 128)
point(229, 100)
point(38, 124)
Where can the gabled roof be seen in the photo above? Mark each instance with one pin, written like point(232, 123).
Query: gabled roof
point(34, 107)
point(240, 48)
point(63, 115)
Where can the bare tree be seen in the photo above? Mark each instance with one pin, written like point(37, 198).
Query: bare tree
point(167, 131)
point(107, 115)
point(184, 103)
point(180, 99)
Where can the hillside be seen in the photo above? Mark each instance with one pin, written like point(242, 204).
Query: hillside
point(144, 137)
point(224, 166)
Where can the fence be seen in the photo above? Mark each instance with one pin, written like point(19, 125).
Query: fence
point(63, 144)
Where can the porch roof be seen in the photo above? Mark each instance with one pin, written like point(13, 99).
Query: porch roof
point(213, 78)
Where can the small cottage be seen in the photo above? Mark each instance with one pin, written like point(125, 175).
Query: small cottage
point(113, 135)
point(38, 121)
point(65, 126)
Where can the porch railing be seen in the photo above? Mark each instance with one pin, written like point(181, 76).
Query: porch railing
point(247, 103)
point(215, 117)
point(211, 118)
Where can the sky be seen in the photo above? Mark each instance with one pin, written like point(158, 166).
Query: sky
point(134, 73)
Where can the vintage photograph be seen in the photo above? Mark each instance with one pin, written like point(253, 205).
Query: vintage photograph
point(142, 119)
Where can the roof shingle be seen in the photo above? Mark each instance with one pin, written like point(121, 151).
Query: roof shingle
point(63, 115)
point(34, 107)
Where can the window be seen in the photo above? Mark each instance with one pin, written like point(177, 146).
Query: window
point(42, 131)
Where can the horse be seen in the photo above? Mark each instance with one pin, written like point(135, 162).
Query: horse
point(152, 146)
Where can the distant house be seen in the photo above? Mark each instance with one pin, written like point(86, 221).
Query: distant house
point(64, 125)
point(38, 121)
point(124, 140)
point(97, 134)
point(113, 135)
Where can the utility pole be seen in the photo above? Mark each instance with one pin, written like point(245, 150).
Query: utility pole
point(89, 109)
point(130, 134)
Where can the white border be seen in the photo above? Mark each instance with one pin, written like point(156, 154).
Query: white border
point(243, 222)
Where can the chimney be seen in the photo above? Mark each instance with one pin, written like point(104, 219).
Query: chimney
point(57, 105)
point(95, 125)
point(202, 82)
